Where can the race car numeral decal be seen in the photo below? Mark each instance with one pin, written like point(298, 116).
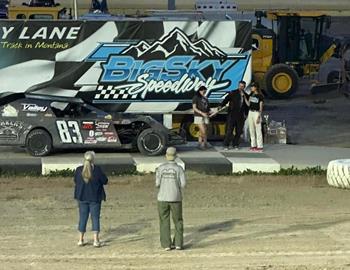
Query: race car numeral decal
point(64, 132)
point(75, 129)
point(64, 128)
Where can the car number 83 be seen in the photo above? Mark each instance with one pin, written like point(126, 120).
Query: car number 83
point(69, 131)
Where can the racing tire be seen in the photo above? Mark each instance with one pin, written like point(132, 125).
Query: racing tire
point(338, 173)
point(39, 143)
point(281, 81)
point(151, 142)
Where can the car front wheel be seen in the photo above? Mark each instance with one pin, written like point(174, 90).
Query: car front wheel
point(151, 142)
point(39, 143)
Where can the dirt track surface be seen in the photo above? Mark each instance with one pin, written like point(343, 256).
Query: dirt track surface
point(248, 222)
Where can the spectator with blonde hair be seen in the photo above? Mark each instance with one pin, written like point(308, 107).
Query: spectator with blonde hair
point(89, 180)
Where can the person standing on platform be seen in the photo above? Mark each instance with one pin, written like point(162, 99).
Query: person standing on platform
point(235, 115)
point(201, 110)
point(256, 104)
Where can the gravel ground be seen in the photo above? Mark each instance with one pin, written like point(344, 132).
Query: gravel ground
point(321, 119)
point(231, 222)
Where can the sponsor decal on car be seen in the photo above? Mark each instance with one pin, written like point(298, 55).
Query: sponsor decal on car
point(9, 111)
point(9, 123)
point(102, 125)
point(98, 133)
point(28, 107)
point(108, 133)
point(48, 115)
point(31, 114)
point(101, 139)
point(10, 130)
point(90, 140)
point(112, 139)
point(87, 125)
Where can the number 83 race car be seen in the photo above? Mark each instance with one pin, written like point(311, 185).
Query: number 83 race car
point(43, 123)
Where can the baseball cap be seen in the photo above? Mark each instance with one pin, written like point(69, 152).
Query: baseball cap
point(170, 153)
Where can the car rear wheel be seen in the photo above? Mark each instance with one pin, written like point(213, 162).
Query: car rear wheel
point(39, 143)
point(151, 142)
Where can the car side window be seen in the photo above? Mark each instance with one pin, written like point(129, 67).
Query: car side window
point(58, 108)
point(78, 110)
point(66, 109)
point(86, 110)
point(94, 111)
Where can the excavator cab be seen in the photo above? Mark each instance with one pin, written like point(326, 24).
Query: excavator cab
point(294, 46)
point(299, 38)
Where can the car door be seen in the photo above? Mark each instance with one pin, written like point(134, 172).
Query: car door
point(79, 125)
point(67, 127)
point(97, 127)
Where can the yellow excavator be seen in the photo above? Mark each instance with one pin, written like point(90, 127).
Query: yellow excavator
point(293, 47)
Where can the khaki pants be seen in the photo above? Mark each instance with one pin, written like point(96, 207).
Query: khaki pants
point(164, 209)
point(256, 139)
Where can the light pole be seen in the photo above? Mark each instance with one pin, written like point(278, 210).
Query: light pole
point(75, 9)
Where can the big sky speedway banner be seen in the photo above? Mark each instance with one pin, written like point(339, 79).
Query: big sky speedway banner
point(133, 66)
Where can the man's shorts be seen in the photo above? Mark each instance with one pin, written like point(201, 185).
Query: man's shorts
point(201, 120)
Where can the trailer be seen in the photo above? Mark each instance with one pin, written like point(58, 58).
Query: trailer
point(134, 65)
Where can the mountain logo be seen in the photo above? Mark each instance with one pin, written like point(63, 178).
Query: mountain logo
point(172, 67)
point(175, 43)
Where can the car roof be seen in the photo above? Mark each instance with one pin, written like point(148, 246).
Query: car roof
point(8, 97)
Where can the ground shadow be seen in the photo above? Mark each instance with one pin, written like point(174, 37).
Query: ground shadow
point(203, 232)
point(197, 235)
point(122, 230)
point(288, 230)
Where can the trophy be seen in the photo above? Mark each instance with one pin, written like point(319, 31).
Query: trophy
point(266, 117)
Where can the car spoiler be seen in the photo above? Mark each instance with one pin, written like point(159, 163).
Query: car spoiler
point(7, 97)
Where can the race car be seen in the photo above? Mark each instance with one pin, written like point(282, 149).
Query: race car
point(43, 123)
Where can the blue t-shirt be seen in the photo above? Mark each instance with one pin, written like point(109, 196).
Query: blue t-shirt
point(93, 190)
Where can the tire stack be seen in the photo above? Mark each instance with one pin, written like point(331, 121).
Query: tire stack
point(338, 173)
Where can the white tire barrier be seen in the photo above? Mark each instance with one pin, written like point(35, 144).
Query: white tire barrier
point(338, 173)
